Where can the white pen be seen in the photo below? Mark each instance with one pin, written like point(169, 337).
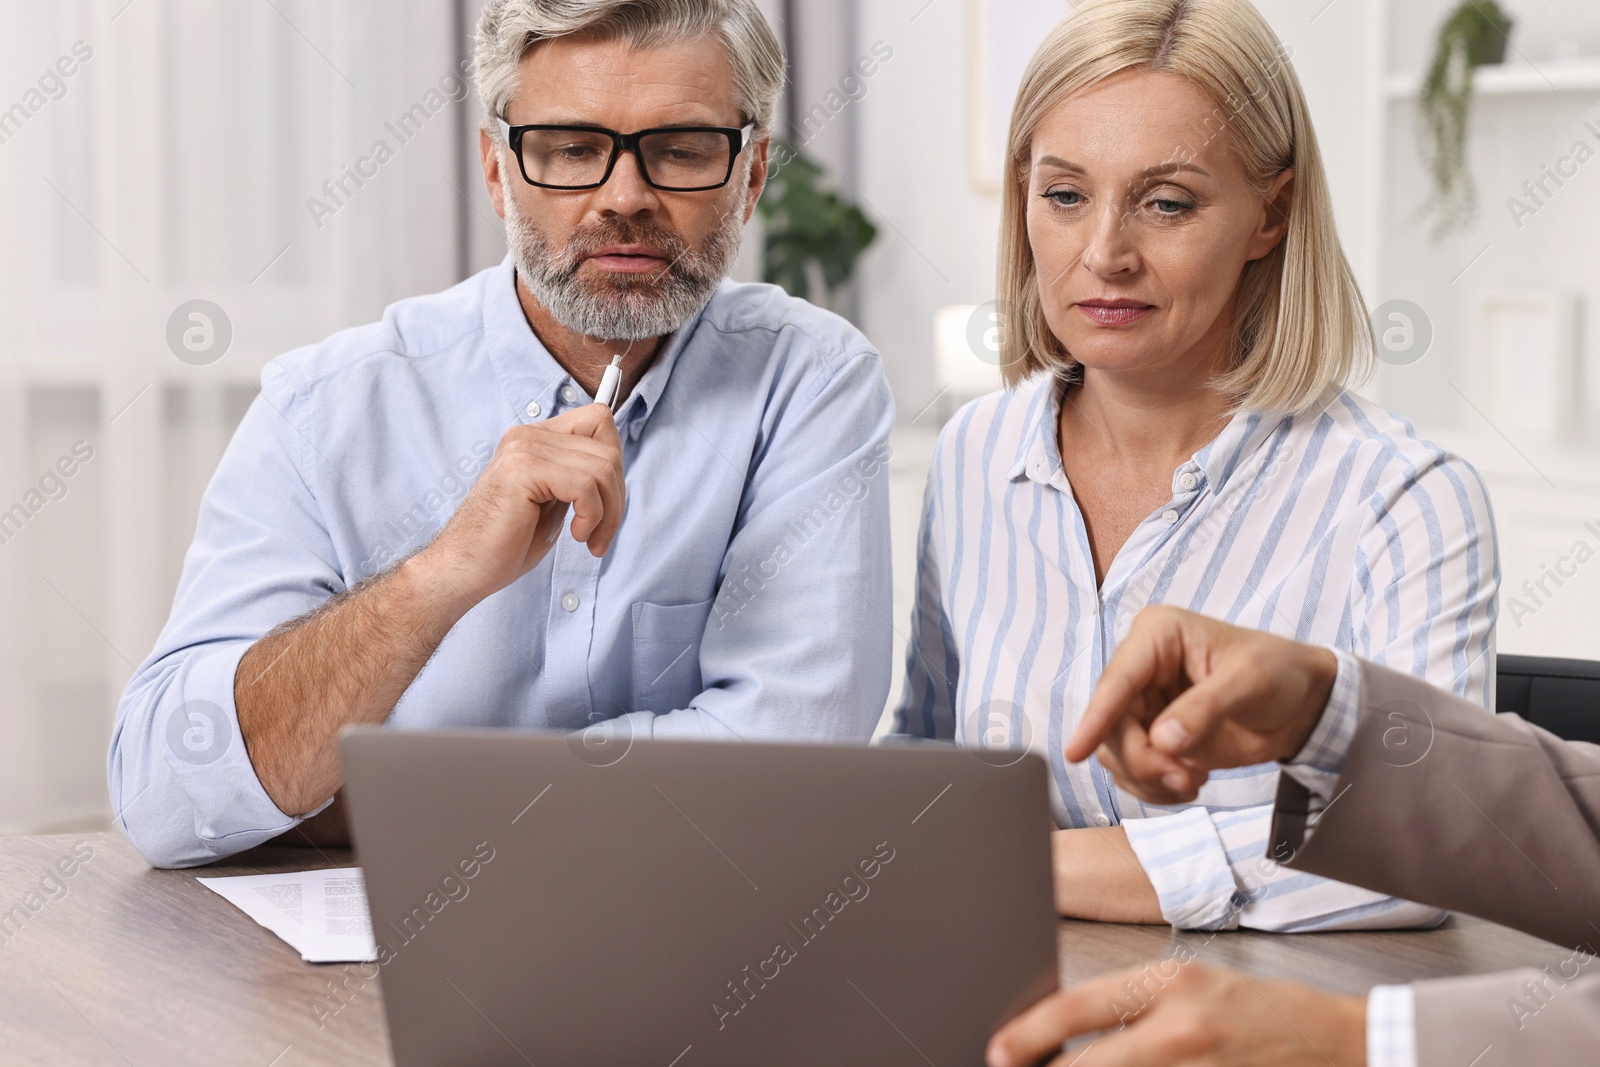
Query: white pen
point(610, 385)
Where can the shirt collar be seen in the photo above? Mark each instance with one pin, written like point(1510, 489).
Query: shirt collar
point(530, 374)
point(1248, 432)
point(1039, 454)
point(1227, 452)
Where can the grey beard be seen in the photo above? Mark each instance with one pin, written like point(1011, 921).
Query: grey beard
point(633, 307)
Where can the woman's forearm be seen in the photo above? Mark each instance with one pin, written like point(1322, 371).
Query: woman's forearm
point(1098, 877)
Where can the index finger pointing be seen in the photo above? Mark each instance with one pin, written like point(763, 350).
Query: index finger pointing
point(1132, 669)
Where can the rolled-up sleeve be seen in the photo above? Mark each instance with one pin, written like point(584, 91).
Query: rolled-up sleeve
point(1213, 871)
point(182, 786)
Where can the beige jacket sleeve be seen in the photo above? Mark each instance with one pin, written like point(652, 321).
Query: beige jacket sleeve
point(1485, 814)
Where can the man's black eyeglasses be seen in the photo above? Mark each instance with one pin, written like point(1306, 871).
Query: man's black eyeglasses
point(680, 159)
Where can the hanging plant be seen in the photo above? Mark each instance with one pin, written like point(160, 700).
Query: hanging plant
point(1474, 34)
point(811, 232)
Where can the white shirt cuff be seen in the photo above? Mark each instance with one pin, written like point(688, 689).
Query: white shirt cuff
point(1320, 762)
point(1391, 1027)
point(1184, 858)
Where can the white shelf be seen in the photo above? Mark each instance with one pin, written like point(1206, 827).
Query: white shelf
point(1515, 78)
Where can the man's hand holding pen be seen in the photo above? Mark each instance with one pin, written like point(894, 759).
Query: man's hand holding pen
point(512, 516)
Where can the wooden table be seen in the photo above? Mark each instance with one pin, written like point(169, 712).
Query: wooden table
point(121, 964)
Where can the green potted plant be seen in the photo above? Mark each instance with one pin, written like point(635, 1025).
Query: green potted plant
point(1474, 34)
point(813, 236)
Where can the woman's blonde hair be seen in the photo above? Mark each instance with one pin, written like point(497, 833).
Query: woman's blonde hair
point(1299, 323)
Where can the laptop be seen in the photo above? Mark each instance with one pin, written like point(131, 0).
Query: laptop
point(543, 899)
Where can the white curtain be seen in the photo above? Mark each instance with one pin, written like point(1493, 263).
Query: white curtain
point(154, 153)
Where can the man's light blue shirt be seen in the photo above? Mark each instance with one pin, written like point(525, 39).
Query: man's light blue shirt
point(746, 596)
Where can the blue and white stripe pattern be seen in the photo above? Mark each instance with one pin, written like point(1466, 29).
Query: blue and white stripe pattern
point(1321, 760)
point(1340, 527)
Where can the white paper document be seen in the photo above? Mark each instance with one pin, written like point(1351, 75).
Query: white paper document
point(322, 914)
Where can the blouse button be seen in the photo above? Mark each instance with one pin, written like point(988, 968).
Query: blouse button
point(1171, 516)
point(1188, 480)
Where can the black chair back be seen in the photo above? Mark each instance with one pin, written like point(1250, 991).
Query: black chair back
point(1560, 695)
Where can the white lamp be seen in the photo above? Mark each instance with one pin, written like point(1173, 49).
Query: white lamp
point(966, 346)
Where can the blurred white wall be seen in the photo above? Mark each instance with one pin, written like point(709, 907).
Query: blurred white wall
point(154, 153)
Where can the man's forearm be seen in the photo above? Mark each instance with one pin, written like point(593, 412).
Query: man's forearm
point(347, 662)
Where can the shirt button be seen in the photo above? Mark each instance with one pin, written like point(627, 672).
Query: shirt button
point(1102, 819)
point(1188, 480)
point(1170, 516)
point(570, 602)
point(532, 409)
point(569, 394)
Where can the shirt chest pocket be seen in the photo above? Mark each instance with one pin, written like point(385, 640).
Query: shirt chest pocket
point(666, 654)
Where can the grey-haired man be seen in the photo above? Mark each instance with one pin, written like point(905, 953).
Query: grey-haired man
point(727, 568)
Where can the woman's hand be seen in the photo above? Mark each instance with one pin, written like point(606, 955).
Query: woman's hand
point(1187, 1013)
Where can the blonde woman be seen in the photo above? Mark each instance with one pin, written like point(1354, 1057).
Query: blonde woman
point(1182, 332)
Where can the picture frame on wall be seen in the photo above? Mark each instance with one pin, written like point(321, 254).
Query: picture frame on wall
point(1002, 37)
point(1526, 362)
